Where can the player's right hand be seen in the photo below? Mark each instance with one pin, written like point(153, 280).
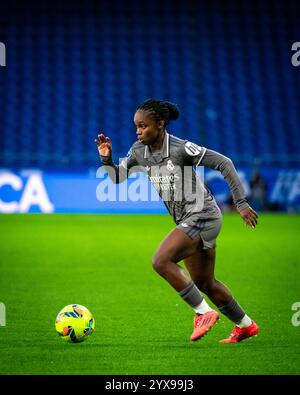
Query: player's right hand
point(104, 145)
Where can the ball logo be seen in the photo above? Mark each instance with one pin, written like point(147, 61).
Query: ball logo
point(192, 149)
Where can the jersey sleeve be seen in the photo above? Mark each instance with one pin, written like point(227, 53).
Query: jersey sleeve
point(130, 160)
point(192, 153)
point(217, 161)
point(118, 173)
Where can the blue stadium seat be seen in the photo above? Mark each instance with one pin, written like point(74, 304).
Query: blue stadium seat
point(67, 80)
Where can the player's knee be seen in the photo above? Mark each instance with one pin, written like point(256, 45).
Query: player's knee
point(160, 263)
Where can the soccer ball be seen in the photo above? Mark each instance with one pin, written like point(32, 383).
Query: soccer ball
point(74, 323)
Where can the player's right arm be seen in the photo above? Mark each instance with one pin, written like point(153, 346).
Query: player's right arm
point(104, 146)
point(116, 173)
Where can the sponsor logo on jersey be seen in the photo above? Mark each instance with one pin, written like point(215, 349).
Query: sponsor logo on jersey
point(164, 182)
point(192, 149)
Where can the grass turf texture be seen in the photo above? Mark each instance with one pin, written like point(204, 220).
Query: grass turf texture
point(142, 326)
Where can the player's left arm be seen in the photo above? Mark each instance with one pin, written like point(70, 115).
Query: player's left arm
point(196, 155)
point(217, 161)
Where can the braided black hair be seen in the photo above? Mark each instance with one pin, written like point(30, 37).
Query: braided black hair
point(160, 110)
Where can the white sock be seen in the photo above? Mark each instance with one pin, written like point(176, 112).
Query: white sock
point(202, 308)
point(246, 321)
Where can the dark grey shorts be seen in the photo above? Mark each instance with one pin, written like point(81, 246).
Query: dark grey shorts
point(207, 229)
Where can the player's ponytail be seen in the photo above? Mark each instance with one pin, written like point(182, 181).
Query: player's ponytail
point(160, 110)
point(173, 110)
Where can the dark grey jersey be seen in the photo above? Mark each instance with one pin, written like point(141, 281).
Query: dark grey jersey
point(171, 171)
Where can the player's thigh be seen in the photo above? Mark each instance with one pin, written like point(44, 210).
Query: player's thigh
point(177, 246)
point(201, 264)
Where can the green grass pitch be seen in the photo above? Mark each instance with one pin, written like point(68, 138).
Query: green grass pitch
point(142, 326)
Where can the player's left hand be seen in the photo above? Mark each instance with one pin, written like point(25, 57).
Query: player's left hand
point(249, 216)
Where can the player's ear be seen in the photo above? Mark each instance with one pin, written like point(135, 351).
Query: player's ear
point(161, 124)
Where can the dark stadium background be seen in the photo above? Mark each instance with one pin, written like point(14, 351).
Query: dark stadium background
point(76, 68)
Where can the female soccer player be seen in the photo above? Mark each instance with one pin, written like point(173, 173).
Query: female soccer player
point(166, 159)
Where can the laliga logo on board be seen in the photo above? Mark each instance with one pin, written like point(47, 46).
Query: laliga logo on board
point(33, 193)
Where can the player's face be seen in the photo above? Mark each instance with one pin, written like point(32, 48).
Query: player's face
point(147, 128)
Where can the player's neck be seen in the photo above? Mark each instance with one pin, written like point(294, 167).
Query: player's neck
point(157, 145)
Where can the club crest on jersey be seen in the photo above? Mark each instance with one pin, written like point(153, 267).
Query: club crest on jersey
point(192, 149)
point(170, 165)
